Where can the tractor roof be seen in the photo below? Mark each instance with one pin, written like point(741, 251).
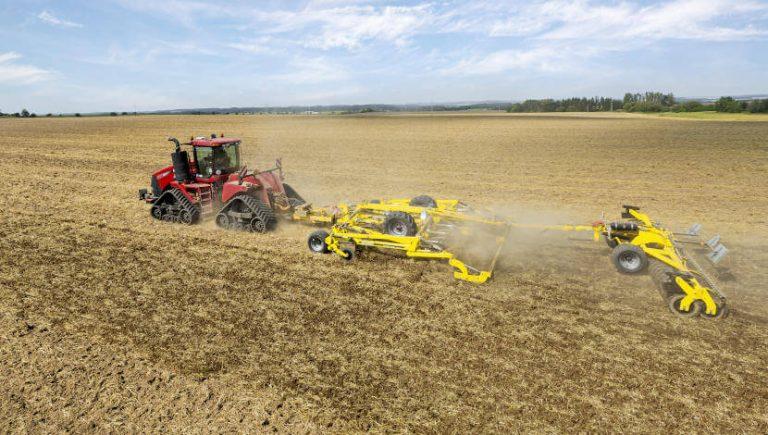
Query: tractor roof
point(215, 142)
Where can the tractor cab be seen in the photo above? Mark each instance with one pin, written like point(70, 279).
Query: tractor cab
point(215, 156)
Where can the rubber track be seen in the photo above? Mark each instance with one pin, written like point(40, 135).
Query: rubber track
point(260, 210)
point(186, 204)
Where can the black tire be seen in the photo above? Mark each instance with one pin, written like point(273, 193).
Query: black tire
point(398, 223)
point(673, 303)
point(423, 201)
point(629, 259)
point(316, 242)
point(349, 252)
point(291, 193)
point(612, 243)
point(722, 312)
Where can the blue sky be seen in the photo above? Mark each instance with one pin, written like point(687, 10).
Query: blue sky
point(68, 55)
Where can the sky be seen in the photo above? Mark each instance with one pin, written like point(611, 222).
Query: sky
point(85, 56)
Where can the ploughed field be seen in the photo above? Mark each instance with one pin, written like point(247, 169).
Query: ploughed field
point(110, 320)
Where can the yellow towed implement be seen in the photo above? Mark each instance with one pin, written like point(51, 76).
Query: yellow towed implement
point(640, 244)
point(421, 228)
point(471, 242)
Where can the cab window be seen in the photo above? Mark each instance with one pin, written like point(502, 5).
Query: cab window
point(218, 160)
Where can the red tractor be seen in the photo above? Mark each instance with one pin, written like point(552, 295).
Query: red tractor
point(212, 182)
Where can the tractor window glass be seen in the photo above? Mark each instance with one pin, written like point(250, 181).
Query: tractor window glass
point(228, 159)
point(204, 156)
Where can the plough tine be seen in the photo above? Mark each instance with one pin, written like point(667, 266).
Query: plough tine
point(718, 253)
point(694, 230)
point(713, 242)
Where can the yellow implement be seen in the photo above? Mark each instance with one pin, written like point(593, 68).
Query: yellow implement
point(471, 243)
point(420, 227)
point(640, 244)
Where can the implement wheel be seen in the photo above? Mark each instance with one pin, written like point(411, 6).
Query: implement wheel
point(423, 201)
point(316, 242)
point(350, 253)
point(399, 223)
point(629, 259)
point(674, 305)
point(722, 312)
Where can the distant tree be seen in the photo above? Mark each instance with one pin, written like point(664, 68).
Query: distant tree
point(691, 106)
point(124, 113)
point(16, 115)
point(728, 105)
point(77, 115)
point(594, 104)
point(48, 115)
point(33, 115)
point(648, 102)
point(24, 113)
point(758, 106)
point(112, 113)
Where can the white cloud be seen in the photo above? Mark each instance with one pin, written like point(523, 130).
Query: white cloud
point(13, 73)
point(255, 46)
point(560, 35)
point(311, 70)
point(49, 18)
point(679, 19)
point(181, 11)
point(348, 26)
point(540, 58)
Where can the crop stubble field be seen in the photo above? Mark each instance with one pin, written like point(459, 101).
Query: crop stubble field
point(109, 320)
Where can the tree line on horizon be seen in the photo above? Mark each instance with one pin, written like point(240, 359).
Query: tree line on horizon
point(647, 102)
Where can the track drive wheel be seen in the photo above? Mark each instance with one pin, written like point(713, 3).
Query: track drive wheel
point(398, 223)
point(673, 302)
point(223, 221)
point(629, 259)
point(185, 217)
point(156, 212)
point(316, 242)
point(257, 225)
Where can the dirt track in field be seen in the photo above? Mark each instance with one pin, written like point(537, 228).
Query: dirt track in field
point(109, 320)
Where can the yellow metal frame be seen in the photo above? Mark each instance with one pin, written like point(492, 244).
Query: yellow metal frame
point(359, 225)
point(659, 243)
